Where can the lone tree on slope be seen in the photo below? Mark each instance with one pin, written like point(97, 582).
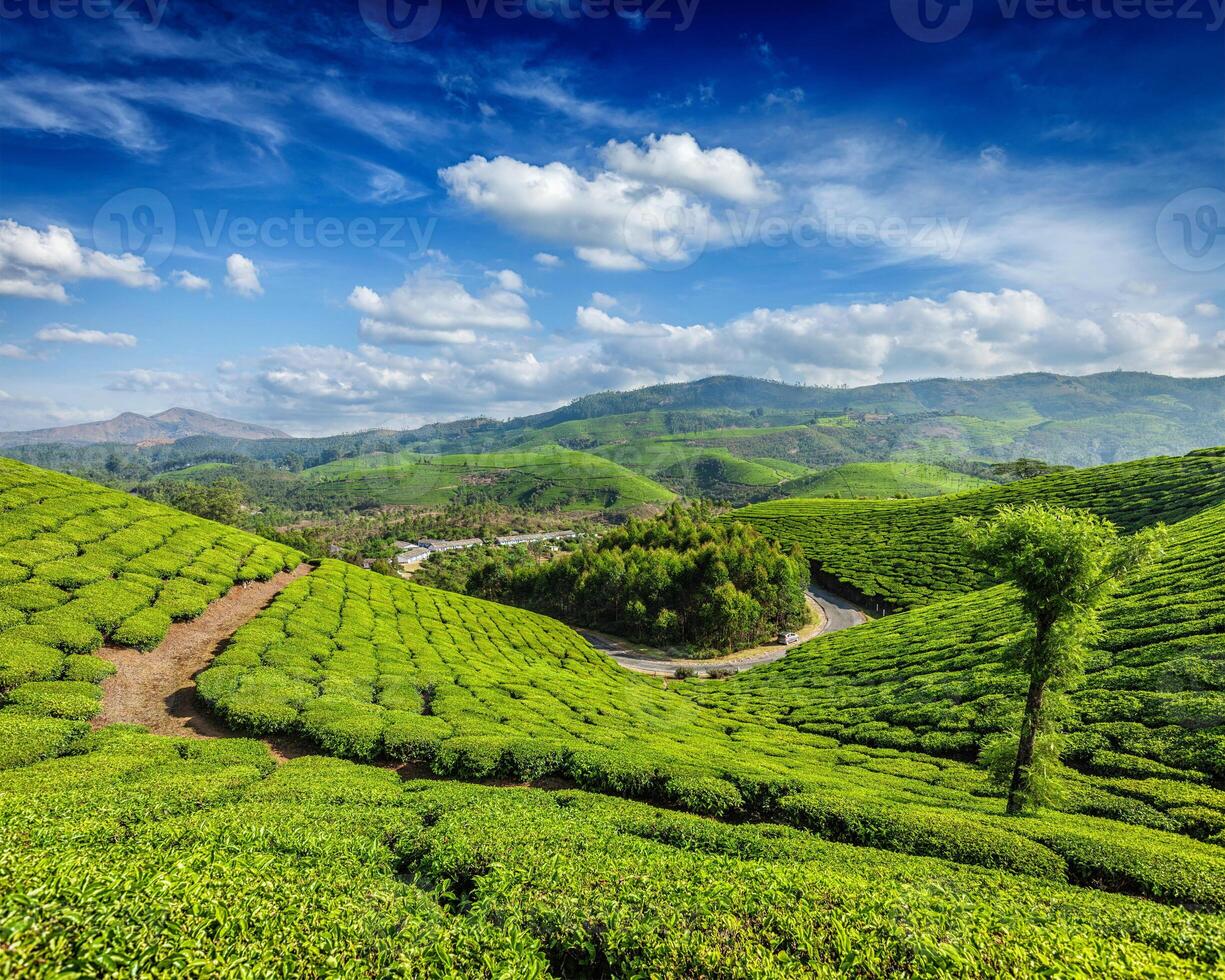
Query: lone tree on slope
point(1065, 564)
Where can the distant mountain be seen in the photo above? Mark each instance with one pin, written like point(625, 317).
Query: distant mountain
point(133, 429)
point(1051, 396)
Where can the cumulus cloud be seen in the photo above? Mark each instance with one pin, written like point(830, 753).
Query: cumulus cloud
point(603, 300)
point(1208, 310)
point(63, 333)
point(676, 160)
point(431, 307)
point(966, 334)
point(35, 264)
point(242, 276)
point(613, 221)
point(14, 352)
point(547, 260)
point(190, 281)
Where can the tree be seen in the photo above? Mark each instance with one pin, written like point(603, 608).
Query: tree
point(1065, 564)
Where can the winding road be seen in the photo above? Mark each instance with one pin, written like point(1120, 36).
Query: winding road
point(831, 613)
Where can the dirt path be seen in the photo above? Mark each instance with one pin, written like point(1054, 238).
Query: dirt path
point(830, 613)
point(158, 690)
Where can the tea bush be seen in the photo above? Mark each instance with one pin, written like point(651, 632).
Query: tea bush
point(1151, 709)
point(80, 564)
point(368, 667)
point(905, 553)
point(321, 867)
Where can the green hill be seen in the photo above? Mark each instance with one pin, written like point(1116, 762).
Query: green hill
point(80, 564)
point(904, 553)
point(548, 476)
point(836, 850)
point(883, 480)
point(1149, 718)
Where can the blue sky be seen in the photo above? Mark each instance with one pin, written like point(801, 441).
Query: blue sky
point(323, 219)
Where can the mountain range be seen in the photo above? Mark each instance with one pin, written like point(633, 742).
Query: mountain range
point(132, 429)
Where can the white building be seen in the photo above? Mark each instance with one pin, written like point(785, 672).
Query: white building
point(533, 538)
point(435, 544)
point(412, 556)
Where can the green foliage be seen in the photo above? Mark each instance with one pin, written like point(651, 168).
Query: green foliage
point(79, 563)
point(343, 870)
point(1064, 564)
point(143, 630)
point(900, 554)
point(75, 700)
point(679, 578)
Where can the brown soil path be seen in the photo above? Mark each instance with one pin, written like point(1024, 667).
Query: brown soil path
point(158, 690)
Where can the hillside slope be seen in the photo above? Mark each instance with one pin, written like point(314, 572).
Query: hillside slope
point(883, 480)
point(374, 668)
point(897, 554)
point(1149, 718)
point(80, 564)
point(547, 476)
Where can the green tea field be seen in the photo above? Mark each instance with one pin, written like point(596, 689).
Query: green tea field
point(622, 825)
point(905, 553)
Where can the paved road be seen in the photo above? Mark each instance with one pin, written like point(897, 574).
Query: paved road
point(831, 612)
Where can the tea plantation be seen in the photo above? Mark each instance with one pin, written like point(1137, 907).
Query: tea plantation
point(136, 855)
point(798, 839)
point(80, 565)
point(1147, 725)
point(904, 553)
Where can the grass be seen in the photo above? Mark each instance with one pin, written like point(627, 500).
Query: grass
point(904, 553)
point(884, 480)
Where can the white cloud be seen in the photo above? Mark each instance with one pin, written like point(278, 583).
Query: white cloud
point(144, 380)
point(1208, 310)
point(190, 281)
point(242, 276)
point(387, 186)
point(34, 264)
point(433, 308)
point(547, 260)
point(676, 160)
point(603, 300)
point(609, 259)
point(1137, 287)
point(63, 333)
point(612, 221)
point(14, 352)
point(508, 280)
point(506, 373)
point(967, 334)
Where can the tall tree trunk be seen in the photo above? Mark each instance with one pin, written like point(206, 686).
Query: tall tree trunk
point(1025, 749)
